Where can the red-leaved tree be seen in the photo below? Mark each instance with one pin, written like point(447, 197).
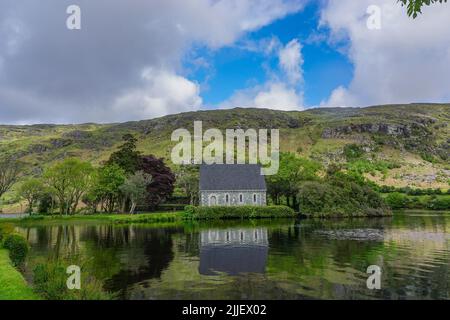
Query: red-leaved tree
point(163, 180)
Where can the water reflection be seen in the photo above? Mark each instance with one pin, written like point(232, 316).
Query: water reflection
point(257, 260)
point(156, 256)
point(233, 251)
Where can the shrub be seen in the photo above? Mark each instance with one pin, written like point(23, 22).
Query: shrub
point(18, 248)
point(5, 229)
point(50, 282)
point(428, 157)
point(362, 166)
point(396, 200)
point(341, 195)
point(353, 151)
point(439, 203)
point(238, 212)
point(189, 212)
point(412, 191)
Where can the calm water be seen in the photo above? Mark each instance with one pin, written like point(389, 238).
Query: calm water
point(260, 260)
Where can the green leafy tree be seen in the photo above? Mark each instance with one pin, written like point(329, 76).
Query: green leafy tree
point(187, 178)
point(68, 181)
point(9, 172)
point(414, 7)
point(106, 188)
point(46, 203)
point(341, 195)
point(126, 157)
point(31, 190)
point(293, 171)
point(135, 188)
point(317, 197)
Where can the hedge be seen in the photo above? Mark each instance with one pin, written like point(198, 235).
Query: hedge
point(241, 212)
point(398, 200)
point(18, 248)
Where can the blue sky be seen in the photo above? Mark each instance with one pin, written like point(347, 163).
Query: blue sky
point(234, 67)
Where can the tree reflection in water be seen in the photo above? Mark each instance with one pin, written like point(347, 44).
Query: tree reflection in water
point(273, 259)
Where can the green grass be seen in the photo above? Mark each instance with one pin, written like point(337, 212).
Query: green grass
point(239, 213)
point(12, 284)
point(148, 218)
point(362, 166)
point(107, 217)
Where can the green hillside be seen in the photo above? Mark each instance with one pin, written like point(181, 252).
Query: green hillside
point(399, 145)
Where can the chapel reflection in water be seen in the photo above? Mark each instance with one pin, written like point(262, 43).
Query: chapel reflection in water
point(233, 251)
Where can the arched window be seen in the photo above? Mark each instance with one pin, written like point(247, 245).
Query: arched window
point(254, 198)
point(213, 201)
point(241, 198)
point(227, 198)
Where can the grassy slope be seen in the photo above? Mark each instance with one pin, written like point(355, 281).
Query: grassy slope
point(301, 132)
point(12, 285)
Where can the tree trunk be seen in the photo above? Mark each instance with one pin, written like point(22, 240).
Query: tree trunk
point(30, 207)
point(133, 207)
point(294, 202)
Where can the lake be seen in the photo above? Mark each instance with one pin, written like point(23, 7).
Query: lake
point(266, 259)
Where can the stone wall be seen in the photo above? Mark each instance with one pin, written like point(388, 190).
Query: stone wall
point(219, 198)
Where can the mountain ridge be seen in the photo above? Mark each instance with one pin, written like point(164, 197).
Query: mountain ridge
point(414, 139)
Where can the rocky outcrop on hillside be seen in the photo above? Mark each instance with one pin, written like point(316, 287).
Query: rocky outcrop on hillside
point(398, 130)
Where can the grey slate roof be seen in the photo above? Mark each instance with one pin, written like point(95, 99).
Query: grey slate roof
point(231, 177)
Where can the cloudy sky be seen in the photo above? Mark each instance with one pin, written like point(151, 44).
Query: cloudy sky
point(135, 59)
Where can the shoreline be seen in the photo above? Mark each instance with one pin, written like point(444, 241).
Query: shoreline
point(175, 217)
point(13, 285)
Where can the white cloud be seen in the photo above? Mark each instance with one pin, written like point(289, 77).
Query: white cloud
point(51, 74)
point(291, 61)
point(162, 93)
point(275, 95)
point(282, 90)
point(406, 61)
point(278, 96)
point(340, 97)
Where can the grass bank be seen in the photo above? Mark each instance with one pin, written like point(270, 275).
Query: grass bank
point(242, 212)
point(115, 218)
point(12, 284)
